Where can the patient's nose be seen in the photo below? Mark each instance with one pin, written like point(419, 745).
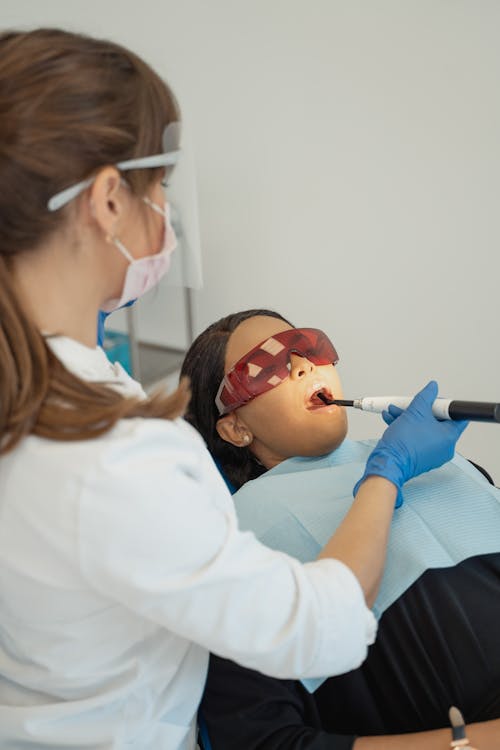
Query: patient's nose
point(300, 366)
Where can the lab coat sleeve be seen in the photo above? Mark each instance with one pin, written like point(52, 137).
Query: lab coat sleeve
point(158, 534)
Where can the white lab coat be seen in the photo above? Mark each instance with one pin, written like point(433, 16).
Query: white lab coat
point(121, 566)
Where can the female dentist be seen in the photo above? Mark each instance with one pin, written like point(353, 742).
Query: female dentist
point(121, 564)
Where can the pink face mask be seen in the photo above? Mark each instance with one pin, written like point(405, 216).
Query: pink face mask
point(145, 273)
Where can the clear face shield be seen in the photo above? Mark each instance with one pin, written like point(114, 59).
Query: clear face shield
point(186, 268)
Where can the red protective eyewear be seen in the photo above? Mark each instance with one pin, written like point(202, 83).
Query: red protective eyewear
point(268, 364)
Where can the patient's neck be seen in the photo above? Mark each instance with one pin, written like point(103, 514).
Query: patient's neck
point(271, 458)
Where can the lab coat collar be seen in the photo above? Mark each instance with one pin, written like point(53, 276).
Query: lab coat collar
point(92, 364)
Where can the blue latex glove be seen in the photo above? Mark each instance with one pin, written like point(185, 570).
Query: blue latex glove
point(414, 442)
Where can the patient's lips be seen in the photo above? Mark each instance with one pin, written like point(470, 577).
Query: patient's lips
point(313, 402)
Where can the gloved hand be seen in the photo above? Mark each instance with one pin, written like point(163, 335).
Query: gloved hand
point(414, 442)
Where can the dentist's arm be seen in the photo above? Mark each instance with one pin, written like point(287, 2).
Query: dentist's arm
point(361, 539)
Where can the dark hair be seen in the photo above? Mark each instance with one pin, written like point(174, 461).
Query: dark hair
point(204, 365)
point(69, 105)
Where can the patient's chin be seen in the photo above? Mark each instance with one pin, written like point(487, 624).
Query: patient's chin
point(337, 433)
point(338, 437)
point(334, 444)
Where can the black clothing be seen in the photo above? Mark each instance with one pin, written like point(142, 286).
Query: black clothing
point(437, 645)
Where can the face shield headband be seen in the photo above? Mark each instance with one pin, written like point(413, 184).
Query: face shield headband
point(268, 365)
point(167, 159)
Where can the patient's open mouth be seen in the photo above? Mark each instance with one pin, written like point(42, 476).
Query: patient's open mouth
point(314, 401)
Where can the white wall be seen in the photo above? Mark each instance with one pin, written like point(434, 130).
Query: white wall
point(348, 160)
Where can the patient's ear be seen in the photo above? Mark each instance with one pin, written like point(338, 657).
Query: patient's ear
point(233, 430)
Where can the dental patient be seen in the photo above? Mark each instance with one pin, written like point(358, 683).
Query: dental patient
point(256, 399)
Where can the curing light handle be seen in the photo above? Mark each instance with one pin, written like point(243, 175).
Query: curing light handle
point(442, 408)
point(478, 411)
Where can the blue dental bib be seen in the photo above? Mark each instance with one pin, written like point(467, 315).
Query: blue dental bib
point(449, 514)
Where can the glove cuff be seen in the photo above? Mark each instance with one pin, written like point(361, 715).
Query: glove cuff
point(399, 497)
point(382, 464)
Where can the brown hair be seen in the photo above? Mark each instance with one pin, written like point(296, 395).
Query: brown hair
point(69, 105)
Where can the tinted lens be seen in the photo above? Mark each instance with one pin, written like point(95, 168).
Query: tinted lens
point(268, 365)
point(315, 346)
